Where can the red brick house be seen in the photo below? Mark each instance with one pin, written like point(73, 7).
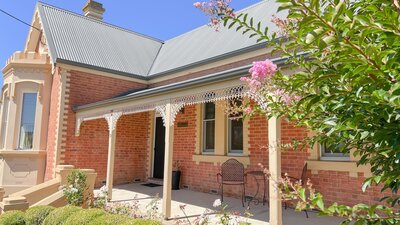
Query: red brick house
point(94, 95)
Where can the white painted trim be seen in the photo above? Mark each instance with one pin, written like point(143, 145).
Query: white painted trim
point(203, 131)
point(156, 115)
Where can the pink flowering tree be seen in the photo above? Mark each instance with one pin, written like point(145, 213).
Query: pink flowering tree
point(344, 86)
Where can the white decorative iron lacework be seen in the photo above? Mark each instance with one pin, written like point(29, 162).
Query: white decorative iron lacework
point(160, 106)
point(112, 120)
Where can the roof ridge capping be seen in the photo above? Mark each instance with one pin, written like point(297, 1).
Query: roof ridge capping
point(39, 3)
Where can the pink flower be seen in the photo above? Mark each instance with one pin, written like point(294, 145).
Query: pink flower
point(247, 110)
point(197, 4)
point(263, 69)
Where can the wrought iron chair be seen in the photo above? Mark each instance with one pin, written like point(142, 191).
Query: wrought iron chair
point(303, 181)
point(232, 173)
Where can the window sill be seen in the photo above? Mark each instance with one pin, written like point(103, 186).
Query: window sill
point(335, 159)
point(219, 159)
point(341, 166)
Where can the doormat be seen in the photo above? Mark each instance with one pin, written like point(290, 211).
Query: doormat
point(151, 185)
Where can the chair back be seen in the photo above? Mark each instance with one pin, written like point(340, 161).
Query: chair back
point(232, 171)
point(304, 175)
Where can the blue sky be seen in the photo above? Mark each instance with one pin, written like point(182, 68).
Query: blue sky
point(159, 19)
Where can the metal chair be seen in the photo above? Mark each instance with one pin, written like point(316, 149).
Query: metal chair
point(302, 180)
point(232, 173)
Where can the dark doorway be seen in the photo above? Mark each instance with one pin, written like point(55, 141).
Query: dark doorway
point(159, 149)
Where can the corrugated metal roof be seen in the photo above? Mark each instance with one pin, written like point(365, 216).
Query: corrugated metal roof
point(204, 43)
point(76, 38)
point(83, 41)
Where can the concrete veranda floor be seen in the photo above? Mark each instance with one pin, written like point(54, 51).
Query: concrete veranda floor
point(198, 202)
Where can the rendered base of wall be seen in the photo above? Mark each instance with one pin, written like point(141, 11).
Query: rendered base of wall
point(21, 169)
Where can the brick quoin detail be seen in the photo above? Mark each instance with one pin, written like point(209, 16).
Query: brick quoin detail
point(53, 124)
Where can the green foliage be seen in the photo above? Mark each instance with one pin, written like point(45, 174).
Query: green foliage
point(145, 222)
point(349, 55)
point(84, 217)
point(12, 218)
point(69, 215)
point(111, 219)
point(75, 188)
point(60, 215)
point(37, 214)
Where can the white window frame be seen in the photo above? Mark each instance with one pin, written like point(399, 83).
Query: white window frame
point(4, 120)
point(234, 152)
point(204, 121)
point(20, 106)
point(333, 156)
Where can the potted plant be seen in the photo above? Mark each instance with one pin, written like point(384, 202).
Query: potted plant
point(176, 175)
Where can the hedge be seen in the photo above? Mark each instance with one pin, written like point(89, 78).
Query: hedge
point(112, 219)
point(68, 215)
point(60, 215)
point(37, 214)
point(84, 217)
point(12, 218)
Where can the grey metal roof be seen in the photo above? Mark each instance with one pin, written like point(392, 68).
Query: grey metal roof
point(85, 41)
point(204, 43)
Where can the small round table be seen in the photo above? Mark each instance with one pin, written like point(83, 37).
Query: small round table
point(259, 176)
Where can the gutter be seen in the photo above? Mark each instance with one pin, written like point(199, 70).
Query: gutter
point(87, 66)
point(215, 77)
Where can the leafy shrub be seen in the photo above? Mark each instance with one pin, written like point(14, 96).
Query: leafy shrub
point(84, 217)
point(75, 188)
point(145, 222)
point(12, 218)
point(60, 215)
point(37, 214)
point(111, 219)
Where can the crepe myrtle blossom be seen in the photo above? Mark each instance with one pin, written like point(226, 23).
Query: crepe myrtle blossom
point(216, 10)
point(261, 85)
point(260, 71)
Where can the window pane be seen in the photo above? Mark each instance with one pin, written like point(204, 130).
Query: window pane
point(332, 150)
point(209, 111)
point(27, 121)
point(236, 135)
point(209, 136)
point(235, 105)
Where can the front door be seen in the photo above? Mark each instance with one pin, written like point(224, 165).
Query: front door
point(159, 149)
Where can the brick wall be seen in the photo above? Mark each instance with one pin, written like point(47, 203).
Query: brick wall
point(81, 88)
point(335, 186)
point(90, 149)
